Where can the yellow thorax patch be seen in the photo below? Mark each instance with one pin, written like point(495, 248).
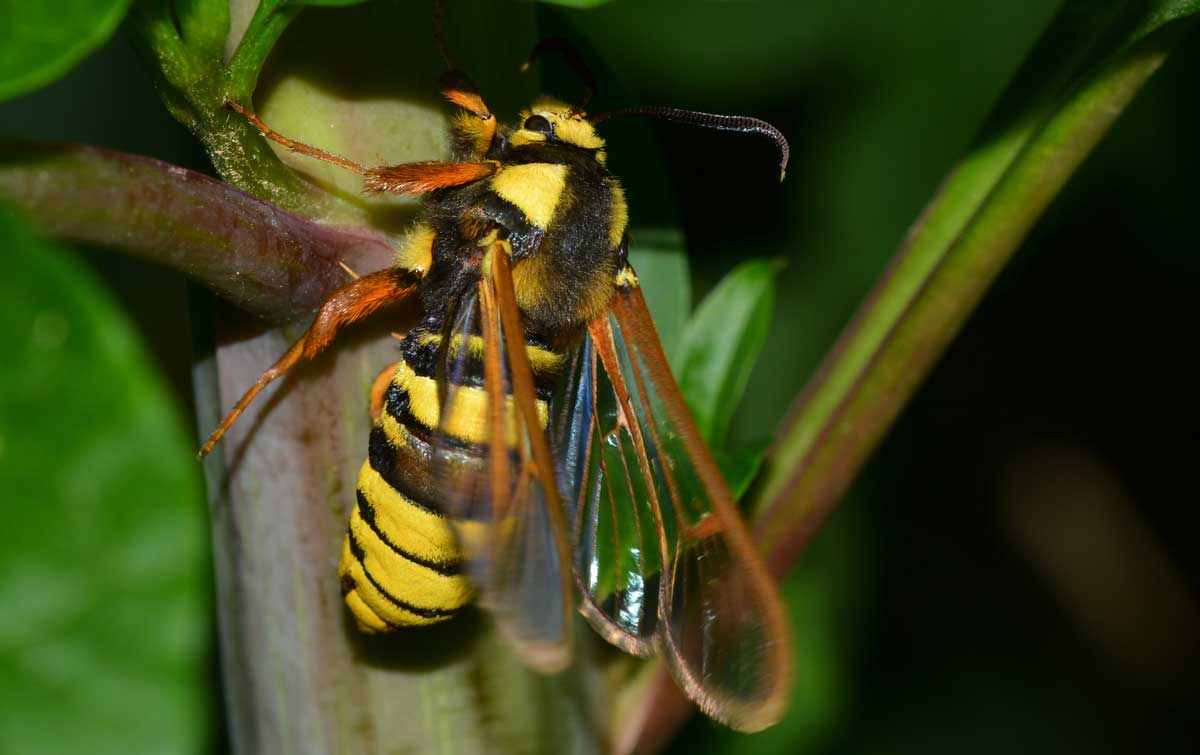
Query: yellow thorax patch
point(620, 214)
point(535, 188)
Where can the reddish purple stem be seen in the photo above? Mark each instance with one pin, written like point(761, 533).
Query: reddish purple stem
point(263, 259)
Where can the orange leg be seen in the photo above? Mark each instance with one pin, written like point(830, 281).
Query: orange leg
point(408, 178)
point(379, 388)
point(293, 145)
point(348, 304)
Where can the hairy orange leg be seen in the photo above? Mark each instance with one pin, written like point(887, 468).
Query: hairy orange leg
point(408, 178)
point(294, 145)
point(379, 388)
point(350, 303)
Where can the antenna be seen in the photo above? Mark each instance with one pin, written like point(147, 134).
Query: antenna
point(740, 123)
point(574, 60)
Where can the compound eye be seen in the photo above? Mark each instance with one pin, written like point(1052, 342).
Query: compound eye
point(538, 124)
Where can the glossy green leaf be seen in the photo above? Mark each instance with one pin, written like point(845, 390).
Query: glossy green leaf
point(105, 621)
point(40, 41)
point(721, 342)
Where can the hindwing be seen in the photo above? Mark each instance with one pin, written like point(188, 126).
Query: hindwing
point(662, 557)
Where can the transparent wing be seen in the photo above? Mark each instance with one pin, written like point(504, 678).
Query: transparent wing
point(645, 493)
point(617, 559)
point(496, 475)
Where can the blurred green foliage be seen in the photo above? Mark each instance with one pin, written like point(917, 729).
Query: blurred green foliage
point(578, 3)
point(41, 41)
point(105, 610)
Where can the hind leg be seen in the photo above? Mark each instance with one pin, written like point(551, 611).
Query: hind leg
point(379, 388)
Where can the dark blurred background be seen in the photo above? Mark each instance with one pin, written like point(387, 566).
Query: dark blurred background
point(1015, 569)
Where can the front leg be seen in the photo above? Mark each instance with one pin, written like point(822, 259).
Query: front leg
point(349, 304)
point(523, 236)
point(409, 178)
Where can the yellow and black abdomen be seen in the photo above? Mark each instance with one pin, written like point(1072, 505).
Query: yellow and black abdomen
point(401, 562)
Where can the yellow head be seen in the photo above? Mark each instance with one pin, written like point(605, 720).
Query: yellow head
point(552, 121)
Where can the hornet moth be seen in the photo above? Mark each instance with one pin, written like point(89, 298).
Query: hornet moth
point(531, 449)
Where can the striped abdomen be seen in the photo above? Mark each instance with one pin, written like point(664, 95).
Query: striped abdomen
point(401, 564)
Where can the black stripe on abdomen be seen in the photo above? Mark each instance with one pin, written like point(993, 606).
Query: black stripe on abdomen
point(428, 613)
point(366, 510)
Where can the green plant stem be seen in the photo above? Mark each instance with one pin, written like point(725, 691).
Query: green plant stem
point(886, 351)
point(267, 24)
point(194, 84)
point(202, 25)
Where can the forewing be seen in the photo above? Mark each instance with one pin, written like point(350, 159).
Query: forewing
point(721, 624)
point(499, 487)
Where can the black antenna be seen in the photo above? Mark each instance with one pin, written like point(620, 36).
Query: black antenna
point(574, 60)
point(740, 123)
point(439, 33)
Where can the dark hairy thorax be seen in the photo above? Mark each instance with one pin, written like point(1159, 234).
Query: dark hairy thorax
point(562, 269)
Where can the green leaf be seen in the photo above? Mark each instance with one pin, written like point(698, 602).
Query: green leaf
point(740, 467)
point(1084, 71)
point(659, 257)
point(104, 606)
point(721, 342)
point(43, 40)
